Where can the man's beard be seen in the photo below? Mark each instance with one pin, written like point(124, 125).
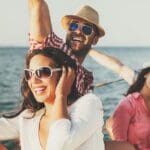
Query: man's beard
point(82, 52)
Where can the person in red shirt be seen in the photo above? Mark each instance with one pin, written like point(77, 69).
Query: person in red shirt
point(130, 120)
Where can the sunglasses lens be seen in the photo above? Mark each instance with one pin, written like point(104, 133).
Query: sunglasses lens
point(87, 30)
point(43, 72)
point(73, 26)
point(28, 74)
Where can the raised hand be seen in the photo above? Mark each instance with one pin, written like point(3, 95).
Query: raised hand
point(65, 83)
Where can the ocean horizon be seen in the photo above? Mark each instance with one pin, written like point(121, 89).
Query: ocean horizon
point(12, 64)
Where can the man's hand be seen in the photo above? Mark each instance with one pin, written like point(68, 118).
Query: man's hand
point(127, 74)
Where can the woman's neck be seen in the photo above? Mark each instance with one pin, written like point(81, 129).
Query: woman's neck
point(48, 109)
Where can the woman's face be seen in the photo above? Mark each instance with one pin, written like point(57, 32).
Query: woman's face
point(147, 81)
point(43, 89)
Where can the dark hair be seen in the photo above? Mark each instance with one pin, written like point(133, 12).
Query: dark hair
point(139, 83)
point(61, 59)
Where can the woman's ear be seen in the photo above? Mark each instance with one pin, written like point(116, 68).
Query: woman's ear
point(95, 40)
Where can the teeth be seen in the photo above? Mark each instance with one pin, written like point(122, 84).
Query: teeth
point(39, 90)
point(77, 39)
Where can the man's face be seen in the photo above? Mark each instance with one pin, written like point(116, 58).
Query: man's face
point(80, 37)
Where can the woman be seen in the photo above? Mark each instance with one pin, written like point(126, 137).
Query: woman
point(53, 115)
point(131, 119)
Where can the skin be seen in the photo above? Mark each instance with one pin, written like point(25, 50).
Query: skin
point(41, 27)
point(79, 42)
point(43, 90)
point(52, 92)
point(147, 76)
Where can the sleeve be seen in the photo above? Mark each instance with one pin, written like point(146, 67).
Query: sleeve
point(86, 118)
point(121, 120)
point(52, 40)
point(9, 128)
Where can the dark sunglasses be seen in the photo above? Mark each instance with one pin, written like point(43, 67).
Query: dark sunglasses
point(86, 29)
point(41, 73)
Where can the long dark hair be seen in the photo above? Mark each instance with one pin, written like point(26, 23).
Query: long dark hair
point(140, 81)
point(61, 59)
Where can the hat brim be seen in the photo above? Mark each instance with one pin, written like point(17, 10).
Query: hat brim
point(66, 20)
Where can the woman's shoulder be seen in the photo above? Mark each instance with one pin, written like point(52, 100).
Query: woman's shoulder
point(133, 97)
point(88, 99)
point(130, 101)
point(88, 106)
point(27, 113)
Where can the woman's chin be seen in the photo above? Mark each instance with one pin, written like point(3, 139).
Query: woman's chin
point(41, 99)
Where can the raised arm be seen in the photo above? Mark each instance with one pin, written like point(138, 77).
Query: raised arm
point(40, 23)
point(113, 64)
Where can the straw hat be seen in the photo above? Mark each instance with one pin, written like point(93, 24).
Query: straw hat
point(86, 13)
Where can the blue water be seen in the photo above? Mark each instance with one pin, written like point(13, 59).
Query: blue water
point(12, 64)
point(134, 57)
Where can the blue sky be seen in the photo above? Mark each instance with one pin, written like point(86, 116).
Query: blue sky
point(126, 22)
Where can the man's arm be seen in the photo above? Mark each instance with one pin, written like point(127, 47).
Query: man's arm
point(40, 23)
point(114, 64)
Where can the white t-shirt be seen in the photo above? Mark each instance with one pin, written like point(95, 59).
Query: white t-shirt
point(82, 132)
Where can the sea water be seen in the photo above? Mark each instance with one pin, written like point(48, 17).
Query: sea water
point(12, 64)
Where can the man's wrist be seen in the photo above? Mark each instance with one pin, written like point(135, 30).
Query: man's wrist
point(127, 74)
